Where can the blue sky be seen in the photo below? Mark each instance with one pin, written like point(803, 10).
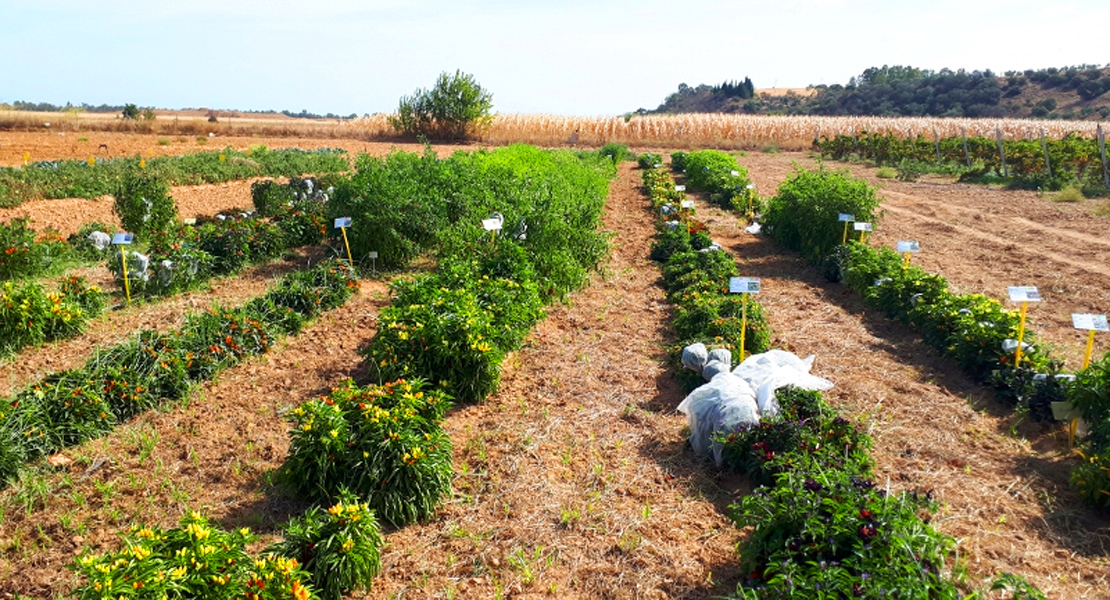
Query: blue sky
point(570, 57)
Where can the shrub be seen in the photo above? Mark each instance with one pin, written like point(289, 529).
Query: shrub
point(678, 161)
point(143, 204)
point(193, 560)
point(339, 546)
point(457, 108)
point(886, 173)
point(270, 197)
point(712, 171)
point(30, 315)
point(383, 443)
point(649, 160)
point(616, 152)
point(803, 215)
point(1069, 194)
point(818, 530)
point(23, 253)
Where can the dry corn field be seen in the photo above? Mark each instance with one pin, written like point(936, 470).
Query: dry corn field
point(701, 130)
point(749, 131)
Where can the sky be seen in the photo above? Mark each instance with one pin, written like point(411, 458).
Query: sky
point(565, 57)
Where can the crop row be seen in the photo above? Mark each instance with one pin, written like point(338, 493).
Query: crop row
point(821, 526)
point(152, 368)
point(976, 331)
point(1032, 164)
point(97, 176)
point(379, 451)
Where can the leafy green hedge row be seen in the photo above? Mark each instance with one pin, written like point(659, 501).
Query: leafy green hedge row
point(822, 528)
point(152, 368)
point(79, 179)
point(25, 253)
point(696, 279)
point(453, 327)
point(31, 315)
point(716, 173)
point(184, 256)
point(970, 328)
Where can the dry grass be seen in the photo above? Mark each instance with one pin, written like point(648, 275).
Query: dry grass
point(723, 131)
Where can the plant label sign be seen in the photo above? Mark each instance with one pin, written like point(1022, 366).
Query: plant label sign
point(190, 221)
point(687, 204)
point(750, 186)
point(904, 247)
point(1090, 322)
point(491, 224)
point(122, 238)
point(680, 188)
point(861, 227)
point(846, 217)
point(342, 222)
point(1024, 293)
point(735, 173)
point(373, 254)
point(743, 285)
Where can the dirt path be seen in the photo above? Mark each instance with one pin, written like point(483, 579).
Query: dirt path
point(574, 480)
point(983, 239)
point(1002, 483)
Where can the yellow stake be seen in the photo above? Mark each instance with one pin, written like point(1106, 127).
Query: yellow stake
point(126, 282)
point(1021, 334)
point(845, 240)
point(26, 157)
point(743, 322)
point(92, 161)
point(350, 261)
point(142, 163)
point(906, 262)
point(1090, 349)
point(1072, 427)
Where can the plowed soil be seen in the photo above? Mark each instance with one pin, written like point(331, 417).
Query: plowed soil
point(574, 481)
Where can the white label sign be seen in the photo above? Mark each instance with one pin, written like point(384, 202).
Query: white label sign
point(1024, 293)
point(373, 254)
point(687, 204)
point(342, 222)
point(491, 224)
point(1089, 322)
point(861, 226)
point(736, 173)
point(904, 247)
point(190, 221)
point(743, 285)
point(846, 217)
point(122, 238)
point(680, 188)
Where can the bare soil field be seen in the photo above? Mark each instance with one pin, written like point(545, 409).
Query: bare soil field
point(574, 480)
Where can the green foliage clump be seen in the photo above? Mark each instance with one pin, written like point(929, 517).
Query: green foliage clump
point(615, 152)
point(270, 197)
point(339, 547)
point(803, 215)
point(24, 253)
point(193, 560)
point(719, 174)
point(678, 161)
point(649, 160)
point(383, 443)
point(456, 108)
point(143, 204)
point(31, 315)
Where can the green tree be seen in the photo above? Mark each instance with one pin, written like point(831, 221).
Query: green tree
point(456, 108)
point(130, 111)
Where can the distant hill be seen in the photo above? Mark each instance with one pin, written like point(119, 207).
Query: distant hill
point(1080, 92)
